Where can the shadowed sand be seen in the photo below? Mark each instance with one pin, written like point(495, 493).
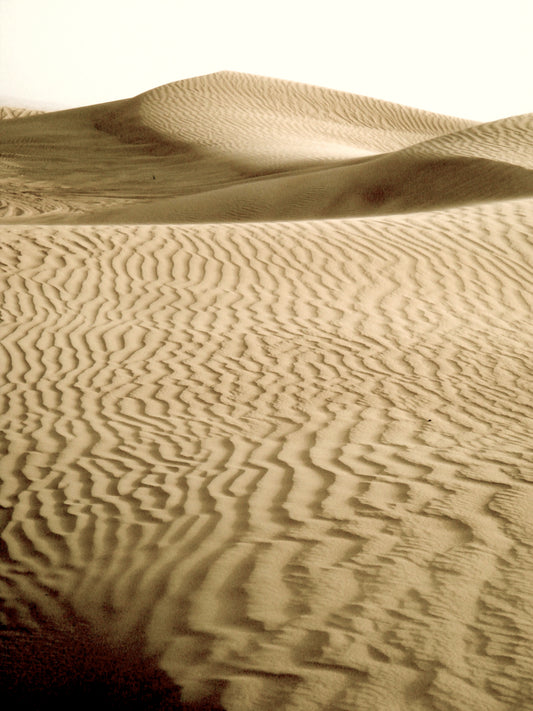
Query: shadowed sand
point(266, 397)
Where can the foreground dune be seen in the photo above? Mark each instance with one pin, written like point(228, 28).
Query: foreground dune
point(285, 452)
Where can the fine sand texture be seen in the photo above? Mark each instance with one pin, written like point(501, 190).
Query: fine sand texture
point(266, 405)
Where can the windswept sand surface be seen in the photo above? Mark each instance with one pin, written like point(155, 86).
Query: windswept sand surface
point(266, 394)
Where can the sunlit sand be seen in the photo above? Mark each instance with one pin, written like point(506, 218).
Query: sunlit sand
point(266, 396)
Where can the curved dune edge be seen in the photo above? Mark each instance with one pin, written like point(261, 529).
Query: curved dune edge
point(286, 462)
point(192, 137)
point(391, 184)
point(230, 147)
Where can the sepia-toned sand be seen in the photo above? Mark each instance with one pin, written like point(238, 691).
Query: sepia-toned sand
point(266, 401)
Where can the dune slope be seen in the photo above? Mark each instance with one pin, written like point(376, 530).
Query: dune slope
point(189, 138)
point(290, 460)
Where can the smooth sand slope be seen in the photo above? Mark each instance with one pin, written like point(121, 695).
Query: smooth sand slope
point(285, 452)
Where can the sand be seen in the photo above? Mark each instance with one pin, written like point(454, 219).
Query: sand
point(266, 394)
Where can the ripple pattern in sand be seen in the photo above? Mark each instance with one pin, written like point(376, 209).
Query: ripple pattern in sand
point(295, 457)
point(291, 121)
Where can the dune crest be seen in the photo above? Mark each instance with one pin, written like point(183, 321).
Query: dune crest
point(232, 147)
point(270, 427)
point(192, 137)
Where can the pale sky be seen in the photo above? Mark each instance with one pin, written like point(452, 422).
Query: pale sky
point(469, 58)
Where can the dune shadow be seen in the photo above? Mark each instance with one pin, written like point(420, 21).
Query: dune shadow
point(65, 669)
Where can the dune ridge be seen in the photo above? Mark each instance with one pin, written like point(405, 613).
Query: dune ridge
point(190, 137)
point(213, 149)
point(290, 457)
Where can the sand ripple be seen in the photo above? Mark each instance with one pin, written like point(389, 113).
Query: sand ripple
point(293, 458)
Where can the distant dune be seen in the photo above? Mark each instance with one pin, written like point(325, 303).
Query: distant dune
point(266, 403)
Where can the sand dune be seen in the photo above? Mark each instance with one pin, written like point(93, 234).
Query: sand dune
point(286, 450)
point(235, 148)
point(191, 137)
